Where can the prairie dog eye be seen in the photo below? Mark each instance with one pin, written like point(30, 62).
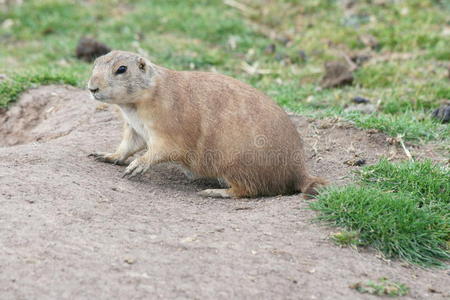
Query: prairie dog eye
point(121, 70)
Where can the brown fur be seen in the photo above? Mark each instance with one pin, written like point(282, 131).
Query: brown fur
point(214, 125)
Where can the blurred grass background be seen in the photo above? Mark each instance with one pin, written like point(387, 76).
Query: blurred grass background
point(279, 46)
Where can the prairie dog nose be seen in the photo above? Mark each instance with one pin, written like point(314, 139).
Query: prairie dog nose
point(93, 84)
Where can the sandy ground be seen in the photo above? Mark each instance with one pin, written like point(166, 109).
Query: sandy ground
point(71, 227)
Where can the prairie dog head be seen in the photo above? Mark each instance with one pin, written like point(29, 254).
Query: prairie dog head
point(120, 77)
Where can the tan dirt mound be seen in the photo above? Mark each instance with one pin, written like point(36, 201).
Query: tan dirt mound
point(71, 227)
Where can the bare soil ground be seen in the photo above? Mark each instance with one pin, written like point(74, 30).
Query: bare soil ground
point(71, 227)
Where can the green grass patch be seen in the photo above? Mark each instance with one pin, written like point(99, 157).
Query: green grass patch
point(11, 88)
point(346, 238)
point(381, 287)
point(428, 183)
point(411, 126)
point(402, 210)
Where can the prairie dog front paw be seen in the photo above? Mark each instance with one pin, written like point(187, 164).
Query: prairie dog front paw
point(112, 158)
point(136, 168)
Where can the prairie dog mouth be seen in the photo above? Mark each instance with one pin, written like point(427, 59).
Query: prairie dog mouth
point(97, 97)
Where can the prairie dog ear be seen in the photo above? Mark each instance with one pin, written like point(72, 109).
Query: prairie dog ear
point(142, 64)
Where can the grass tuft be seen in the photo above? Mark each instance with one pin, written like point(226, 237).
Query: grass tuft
point(381, 287)
point(407, 125)
point(346, 238)
point(11, 88)
point(425, 181)
point(401, 210)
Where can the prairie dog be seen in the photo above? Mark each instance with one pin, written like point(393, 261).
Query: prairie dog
point(211, 124)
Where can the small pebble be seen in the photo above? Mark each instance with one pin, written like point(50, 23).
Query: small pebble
point(355, 162)
point(129, 260)
point(360, 100)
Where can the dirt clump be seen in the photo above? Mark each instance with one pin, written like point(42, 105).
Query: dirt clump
point(39, 116)
point(442, 113)
point(337, 73)
point(88, 49)
point(360, 100)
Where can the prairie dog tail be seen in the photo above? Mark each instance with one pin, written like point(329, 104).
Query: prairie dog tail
point(310, 185)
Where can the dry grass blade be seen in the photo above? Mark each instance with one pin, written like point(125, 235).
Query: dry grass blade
point(408, 154)
point(240, 6)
